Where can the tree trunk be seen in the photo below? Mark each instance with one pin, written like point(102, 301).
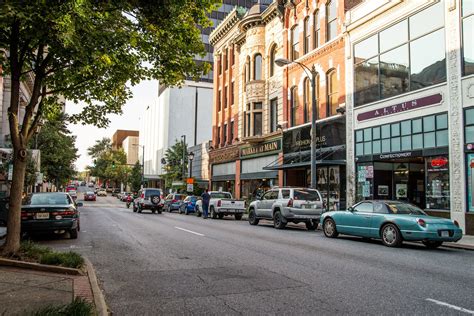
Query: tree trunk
point(12, 244)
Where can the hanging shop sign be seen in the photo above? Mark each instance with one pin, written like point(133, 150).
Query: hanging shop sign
point(401, 107)
point(328, 134)
point(227, 154)
point(264, 148)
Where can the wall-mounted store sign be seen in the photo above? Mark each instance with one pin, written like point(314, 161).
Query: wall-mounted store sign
point(400, 155)
point(328, 134)
point(401, 107)
point(267, 147)
point(228, 154)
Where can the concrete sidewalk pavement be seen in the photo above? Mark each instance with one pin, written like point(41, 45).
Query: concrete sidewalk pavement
point(24, 291)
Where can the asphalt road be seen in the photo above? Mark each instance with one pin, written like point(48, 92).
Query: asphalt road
point(151, 264)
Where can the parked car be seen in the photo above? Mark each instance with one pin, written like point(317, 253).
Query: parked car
point(221, 204)
point(124, 196)
point(283, 205)
point(188, 205)
point(89, 196)
point(4, 210)
point(51, 212)
point(392, 222)
point(101, 192)
point(173, 201)
point(73, 194)
point(148, 199)
point(115, 192)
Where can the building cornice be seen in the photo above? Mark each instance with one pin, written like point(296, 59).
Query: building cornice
point(226, 25)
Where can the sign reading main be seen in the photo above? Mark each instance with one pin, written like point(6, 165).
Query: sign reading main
point(267, 147)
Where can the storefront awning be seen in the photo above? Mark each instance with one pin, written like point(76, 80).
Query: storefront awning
point(324, 156)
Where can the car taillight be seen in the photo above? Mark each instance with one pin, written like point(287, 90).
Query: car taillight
point(421, 222)
point(64, 213)
point(290, 203)
point(174, 201)
point(219, 203)
point(24, 215)
point(142, 196)
point(456, 223)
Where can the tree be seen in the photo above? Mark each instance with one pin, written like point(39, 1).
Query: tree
point(88, 51)
point(135, 178)
point(174, 163)
point(100, 146)
point(57, 165)
point(111, 166)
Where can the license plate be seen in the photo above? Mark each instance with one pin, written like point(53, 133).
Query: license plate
point(444, 233)
point(308, 206)
point(42, 216)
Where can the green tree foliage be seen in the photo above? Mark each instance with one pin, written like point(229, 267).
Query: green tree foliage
point(100, 146)
point(57, 165)
point(135, 178)
point(88, 51)
point(174, 163)
point(111, 166)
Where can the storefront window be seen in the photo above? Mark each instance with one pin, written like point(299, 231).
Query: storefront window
point(405, 63)
point(469, 115)
point(470, 182)
point(467, 36)
point(330, 186)
point(251, 189)
point(225, 186)
point(437, 183)
point(365, 177)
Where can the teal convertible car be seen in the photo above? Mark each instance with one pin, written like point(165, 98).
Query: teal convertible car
point(391, 221)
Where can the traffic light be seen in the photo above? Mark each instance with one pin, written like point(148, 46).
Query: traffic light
point(113, 164)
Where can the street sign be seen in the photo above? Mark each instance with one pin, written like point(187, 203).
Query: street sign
point(190, 187)
point(10, 172)
point(190, 180)
point(177, 183)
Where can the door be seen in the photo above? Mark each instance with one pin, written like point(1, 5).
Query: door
point(357, 222)
point(265, 204)
point(378, 218)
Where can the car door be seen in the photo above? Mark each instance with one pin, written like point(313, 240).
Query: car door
point(262, 205)
point(379, 216)
point(357, 220)
point(271, 197)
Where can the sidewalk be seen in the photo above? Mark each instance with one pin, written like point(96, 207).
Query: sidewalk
point(466, 242)
point(24, 291)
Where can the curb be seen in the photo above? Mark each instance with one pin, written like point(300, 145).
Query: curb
point(39, 267)
point(99, 300)
point(459, 246)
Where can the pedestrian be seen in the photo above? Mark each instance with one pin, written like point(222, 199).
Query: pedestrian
point(205, 203)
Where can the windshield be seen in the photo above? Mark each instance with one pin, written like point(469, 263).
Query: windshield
point(221, 195)
point(404, 208)
point(149, 193)
point(46, 199)
point(306, 195)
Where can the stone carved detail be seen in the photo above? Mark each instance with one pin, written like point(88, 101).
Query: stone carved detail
point(255, 89)
point(274, 86)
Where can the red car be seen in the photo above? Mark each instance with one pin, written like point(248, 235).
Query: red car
point(89, 196)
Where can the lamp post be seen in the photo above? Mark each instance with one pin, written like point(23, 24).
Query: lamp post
point(314, 111)
point(191, 157)
point(37, 131)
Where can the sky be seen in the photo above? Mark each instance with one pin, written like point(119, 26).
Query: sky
point(144, 94)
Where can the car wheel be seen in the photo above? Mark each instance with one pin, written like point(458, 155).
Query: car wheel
point(160, 210)
point(329, 228)
point(186, 211)
point(221, 216)
point(238, 217)
point(198, 212)
point(432, 244)
point(73, 233)
point(139, 209)
point(391, 236)
point(180, 211)
point(134, 209)
point(278, 220)
point(310, 225)
point(213, 213)
point(153, 211)
point(253, 220)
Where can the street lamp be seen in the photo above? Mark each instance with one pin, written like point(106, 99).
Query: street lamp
point(280, 62)
point(191, 157)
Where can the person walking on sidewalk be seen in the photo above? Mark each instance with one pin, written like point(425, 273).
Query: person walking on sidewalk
point(205, 203)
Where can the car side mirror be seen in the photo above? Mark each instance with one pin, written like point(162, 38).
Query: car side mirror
point(350, 209)
point(79, 204)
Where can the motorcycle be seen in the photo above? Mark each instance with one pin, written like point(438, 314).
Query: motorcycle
point(129, 201)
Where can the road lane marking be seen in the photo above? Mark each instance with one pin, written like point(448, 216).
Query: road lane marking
point(189, 231)
point(460, 309)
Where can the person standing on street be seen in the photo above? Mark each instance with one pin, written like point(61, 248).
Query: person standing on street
point(205, 203)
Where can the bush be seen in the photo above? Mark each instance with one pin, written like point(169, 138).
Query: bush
point(78, 307)
point(30, 251)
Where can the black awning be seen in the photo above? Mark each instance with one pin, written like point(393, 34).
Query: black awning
point(324, 157)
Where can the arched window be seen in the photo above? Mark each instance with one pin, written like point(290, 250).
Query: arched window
point(306, 98)
point(272, 60)
point(333, 93)
point(295, 42)
point(247, 70)
point(257, 67)
point(317, 29)
point(331, 16)
point(306, 35)
point(294, 105)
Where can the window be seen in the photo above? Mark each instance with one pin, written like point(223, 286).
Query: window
point(219, 105)
point(225, 97)
point(225, 134)
point(219, 65)
point(293, 105)
point(437, 183)
point(257, 67)
point(272, 60)
point(295, 41)
point(273, 115)
point(469, 126)
point(253, 125)
point(226, 57)
point(306, 35)
point(467, 37)
point(247, 122)
point(396, 61)
point(232, 56)
point(364, 207)
point(285, 194)
point(306, 98)
point(231, 93)
point(218, 136)
point(331, 14)
point(333, 93)
point(317, 29)
point(231, 132)
point(426, 132)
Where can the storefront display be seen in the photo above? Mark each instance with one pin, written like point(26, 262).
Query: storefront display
point(470, 182)
point(437, 183)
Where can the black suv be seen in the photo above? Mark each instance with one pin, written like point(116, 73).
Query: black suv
point(148, 199)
